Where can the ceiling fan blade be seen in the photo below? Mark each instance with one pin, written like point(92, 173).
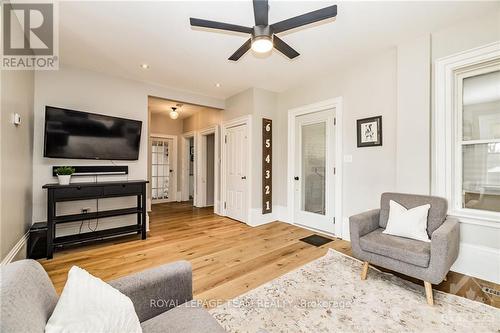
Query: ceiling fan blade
point(261, 12)
point(298, 21)
point(241, 51)
point(284, 48)
point(195, 22)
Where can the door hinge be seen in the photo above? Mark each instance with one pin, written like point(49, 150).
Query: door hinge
point(334, 171)
point(334, 121)
point(224, 205)
point(225, 138)
point(334, 220)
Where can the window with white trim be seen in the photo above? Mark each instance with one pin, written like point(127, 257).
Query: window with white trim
point(466, 124)
point(477, 139)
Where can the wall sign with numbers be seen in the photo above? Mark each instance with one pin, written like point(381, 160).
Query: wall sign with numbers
point(267, 166)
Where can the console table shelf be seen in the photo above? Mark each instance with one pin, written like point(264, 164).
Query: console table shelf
point(88, 191)
point(96, 215)
point(95, 235)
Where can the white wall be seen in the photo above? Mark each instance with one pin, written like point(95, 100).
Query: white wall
point(368, 89)
point(413, 116)
point(16, 165)
point(93, 92)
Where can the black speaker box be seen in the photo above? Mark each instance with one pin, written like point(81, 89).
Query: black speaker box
point(37, 241)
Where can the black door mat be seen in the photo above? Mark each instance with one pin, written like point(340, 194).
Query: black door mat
point(316, 240)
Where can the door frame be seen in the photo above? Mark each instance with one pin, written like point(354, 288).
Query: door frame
point(202, 167)
point(334, 103)
point(185, 167)
point(174, 163)
point(244, 120)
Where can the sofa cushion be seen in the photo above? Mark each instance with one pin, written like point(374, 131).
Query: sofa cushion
point(403, 249)
point(188, 317)
point(437, 212)
point(27, 297)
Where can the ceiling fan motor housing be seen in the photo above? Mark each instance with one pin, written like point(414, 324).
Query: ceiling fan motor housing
point(261, 31)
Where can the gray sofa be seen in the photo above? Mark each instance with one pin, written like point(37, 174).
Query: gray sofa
point(28, 299)
point(429, 262)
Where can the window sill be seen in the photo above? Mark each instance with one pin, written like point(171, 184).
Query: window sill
point(477, 217)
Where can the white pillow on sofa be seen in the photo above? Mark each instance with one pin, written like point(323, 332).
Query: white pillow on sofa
point(88, 304)
point(409, 223)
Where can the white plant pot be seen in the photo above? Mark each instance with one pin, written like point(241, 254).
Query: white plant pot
point(64, 179)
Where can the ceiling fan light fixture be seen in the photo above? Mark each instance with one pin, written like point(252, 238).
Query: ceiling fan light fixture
point(262, 44)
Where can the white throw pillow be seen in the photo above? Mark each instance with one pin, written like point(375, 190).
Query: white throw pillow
point(409, 223)
point(88, 304)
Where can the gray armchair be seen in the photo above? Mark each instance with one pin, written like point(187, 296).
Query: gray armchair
point(425, 261)
point(161, 297)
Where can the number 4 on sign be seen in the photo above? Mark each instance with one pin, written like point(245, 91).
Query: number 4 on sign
point(268, 158)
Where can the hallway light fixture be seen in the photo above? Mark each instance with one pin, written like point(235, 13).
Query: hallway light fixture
point(174, 114)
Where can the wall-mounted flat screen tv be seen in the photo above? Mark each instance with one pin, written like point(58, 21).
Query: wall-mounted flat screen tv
point(83, 135)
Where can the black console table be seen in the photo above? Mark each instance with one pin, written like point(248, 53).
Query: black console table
point(85, 191)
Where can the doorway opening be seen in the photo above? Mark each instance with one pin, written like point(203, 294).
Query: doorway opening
point(174, 166)
point(208, 168)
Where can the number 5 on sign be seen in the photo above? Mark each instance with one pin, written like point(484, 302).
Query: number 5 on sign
point(267, 166)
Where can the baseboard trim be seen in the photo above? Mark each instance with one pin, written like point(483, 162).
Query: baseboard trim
point(15, 250)
point(478, 261)
point(257, 218)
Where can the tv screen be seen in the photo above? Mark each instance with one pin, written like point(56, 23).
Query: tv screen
point(83, 135)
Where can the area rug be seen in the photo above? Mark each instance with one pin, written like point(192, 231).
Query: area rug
point(327, 295)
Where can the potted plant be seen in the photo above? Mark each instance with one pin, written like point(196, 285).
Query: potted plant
point(64, 174)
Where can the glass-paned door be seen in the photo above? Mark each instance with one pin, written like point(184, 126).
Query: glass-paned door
point(161, 169)
point(314, 177)
point(480, 141)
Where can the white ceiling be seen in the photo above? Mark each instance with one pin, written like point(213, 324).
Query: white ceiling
point(160, 105)
point(116, 37)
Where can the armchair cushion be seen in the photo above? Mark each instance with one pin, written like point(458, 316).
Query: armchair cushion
point(437, 212)
point(399, 248)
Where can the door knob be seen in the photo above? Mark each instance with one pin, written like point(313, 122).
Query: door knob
point(296, 178)
point(244, 177)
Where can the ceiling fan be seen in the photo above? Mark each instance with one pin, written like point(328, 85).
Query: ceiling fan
point(263, 35)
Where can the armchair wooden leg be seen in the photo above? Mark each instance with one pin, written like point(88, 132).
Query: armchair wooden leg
point(428, 293)
point(364, 271)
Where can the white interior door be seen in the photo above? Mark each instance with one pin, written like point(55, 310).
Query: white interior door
point(162, 170)
point(236, 159)
point(314, 171)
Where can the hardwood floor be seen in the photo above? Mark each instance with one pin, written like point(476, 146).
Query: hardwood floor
point(228, 257)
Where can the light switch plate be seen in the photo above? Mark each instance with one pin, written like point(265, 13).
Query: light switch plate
point(16, 119)
point(348, 158)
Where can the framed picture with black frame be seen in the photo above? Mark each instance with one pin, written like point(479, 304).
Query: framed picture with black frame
point(369, 131)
